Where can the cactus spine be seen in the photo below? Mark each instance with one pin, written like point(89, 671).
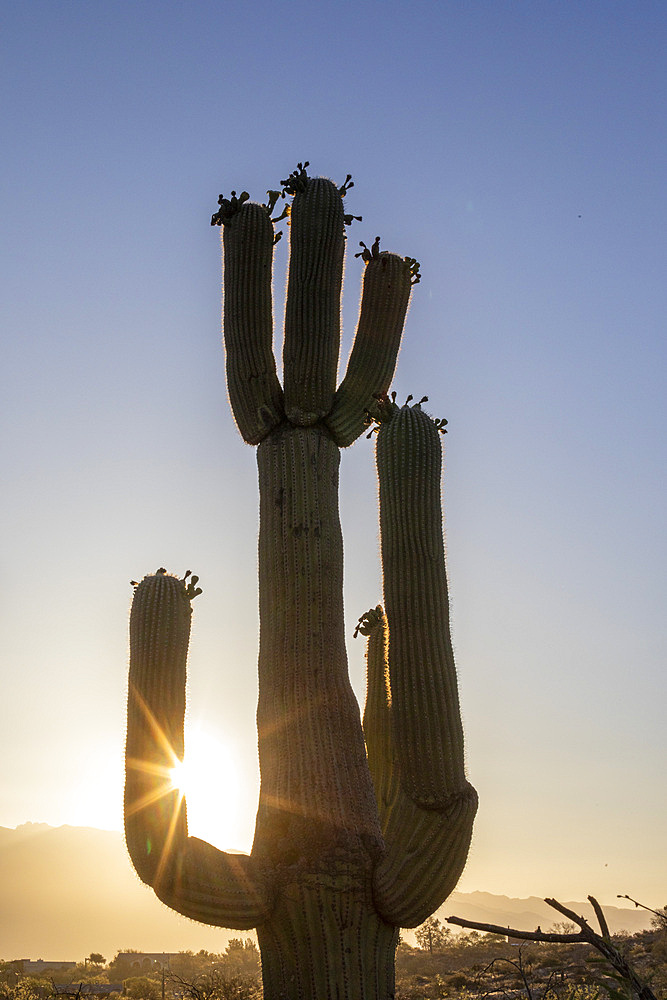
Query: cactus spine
point(359, 831)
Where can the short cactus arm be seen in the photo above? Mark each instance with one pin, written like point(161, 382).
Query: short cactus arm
point(377, 710)
point(312, 309)
point(427, 805)
point(186, 873)
point(254, 390)
point(387, 282)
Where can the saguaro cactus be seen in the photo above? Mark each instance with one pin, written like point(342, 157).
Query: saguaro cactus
point(359, 831)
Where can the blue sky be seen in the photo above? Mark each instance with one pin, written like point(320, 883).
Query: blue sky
point(519, 151)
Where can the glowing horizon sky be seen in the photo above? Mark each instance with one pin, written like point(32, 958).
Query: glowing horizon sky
point(519, 152)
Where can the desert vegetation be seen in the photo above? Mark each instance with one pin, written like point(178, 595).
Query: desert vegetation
point(480, 965)
point(444, 964)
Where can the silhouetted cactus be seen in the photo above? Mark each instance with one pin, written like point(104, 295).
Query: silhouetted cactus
point(358, 832)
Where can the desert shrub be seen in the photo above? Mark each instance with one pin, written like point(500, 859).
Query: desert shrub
point(457, 981)
point(28, 988)
point(142, 988)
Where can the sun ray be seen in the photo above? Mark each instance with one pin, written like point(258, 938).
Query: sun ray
point(160, 772)
point(166, 853)
point(159, 736)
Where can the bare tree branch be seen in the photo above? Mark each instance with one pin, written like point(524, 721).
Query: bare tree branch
point(602, 943)
point(553, 937)
point(642, 906)
point(604, 927)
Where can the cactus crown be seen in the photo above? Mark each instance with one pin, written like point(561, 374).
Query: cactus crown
point(229, 207)
point(189, 582)
point(369, 621)
point(385, 407)
point(297, 182)
point(372, 253)
point(312, 313)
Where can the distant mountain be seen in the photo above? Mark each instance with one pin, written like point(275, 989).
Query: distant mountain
point(67, 891)
point(527, 914)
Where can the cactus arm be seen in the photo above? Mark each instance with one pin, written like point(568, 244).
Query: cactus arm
point(224, 890)
point(377, 710)
point(427, 806)
point(425, 848)
point(425, 705)
point(312, 308)
point(254, 390)
point(186, 873)
point(426, 854)
point(384, 302)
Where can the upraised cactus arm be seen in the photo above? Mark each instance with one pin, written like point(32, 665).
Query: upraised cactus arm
point(254, 390)
point(386, 293)
point(412, 719)
point(312, 308)
point(186, 873)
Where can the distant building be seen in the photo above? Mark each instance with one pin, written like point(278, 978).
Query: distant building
point(37, 968)
point(144, 961)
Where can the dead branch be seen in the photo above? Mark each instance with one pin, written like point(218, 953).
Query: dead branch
point(642, 906)
point(601, 942)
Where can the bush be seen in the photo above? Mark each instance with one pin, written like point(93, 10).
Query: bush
point(142, 988)
point(458, 981)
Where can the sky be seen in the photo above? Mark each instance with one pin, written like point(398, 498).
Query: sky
point(519, 151)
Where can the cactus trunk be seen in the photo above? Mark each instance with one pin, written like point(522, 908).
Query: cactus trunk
point(317, 822)
point(326, 939)
point(316, 795)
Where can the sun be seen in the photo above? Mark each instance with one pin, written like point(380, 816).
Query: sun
point(208, 778)
point(180, 777)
